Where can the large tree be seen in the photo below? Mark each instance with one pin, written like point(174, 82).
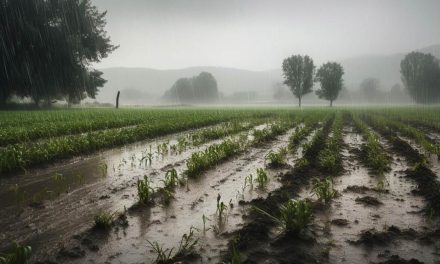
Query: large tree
point(329, 76)
point(421, 77)
point(47, 48)
point(298, 73)
point(198, 89)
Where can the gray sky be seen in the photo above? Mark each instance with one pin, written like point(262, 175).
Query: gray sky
point(259, 34)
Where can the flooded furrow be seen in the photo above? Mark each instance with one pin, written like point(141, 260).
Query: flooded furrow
point(53, 204)
point(195, 206)
point(375, 216)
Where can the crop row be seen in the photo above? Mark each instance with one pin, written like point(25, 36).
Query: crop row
point(23, 155)
point(59, 123)
point(372, 152)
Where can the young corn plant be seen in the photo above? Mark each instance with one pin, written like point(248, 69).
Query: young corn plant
point(144, 190)
point(17, 255)
point(104, 220)
point(261, 178)
point(276, 159)
point(293, 217)
point(323, 189)
point(162, 255)
point(171, 179)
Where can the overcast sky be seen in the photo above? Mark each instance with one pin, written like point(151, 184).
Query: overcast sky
point(259, 34)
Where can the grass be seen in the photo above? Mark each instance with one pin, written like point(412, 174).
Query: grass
point(293, 216)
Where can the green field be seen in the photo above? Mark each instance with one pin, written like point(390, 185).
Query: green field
point(308, 167)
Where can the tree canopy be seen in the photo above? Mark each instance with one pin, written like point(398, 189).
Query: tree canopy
point(329, 76)
point(298, 73)
point(198, 89)
point(421, 76)
point(47, 48)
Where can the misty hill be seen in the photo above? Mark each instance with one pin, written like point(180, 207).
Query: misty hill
point(145, 85)
point(156, 82)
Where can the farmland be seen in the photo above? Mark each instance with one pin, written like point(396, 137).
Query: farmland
point(213, 185)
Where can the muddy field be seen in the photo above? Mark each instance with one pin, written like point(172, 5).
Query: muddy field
point(287, 186)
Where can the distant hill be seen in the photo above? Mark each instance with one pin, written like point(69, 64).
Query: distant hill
point(156, 82)
point(150, 84)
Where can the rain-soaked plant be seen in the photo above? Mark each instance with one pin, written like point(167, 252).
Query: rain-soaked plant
point(144, 190)
point(248, 181)
point(293, 217)
point(235, 255)
point(261, 178)
point(276, 159)
point(171, 179)
point(16, 255)
point(323, 189)
point(186, 247)
point(104, 220)
point(182, 144)
point(204, 219)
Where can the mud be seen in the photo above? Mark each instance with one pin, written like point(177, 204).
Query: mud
point(191, 204)
point(52, 204)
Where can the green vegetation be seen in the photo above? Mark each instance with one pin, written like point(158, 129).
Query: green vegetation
point(187, 246)
point(276, 159)
point(261, 178)
point(16, 255)
point(104, 220)
point(144, 190)
point(293, 217)
point(323, 189)
point(329, 158)
point(23, 152)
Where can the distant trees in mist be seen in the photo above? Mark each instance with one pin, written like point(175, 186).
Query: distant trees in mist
point(47, 48)
point(421, 76)
point(299, 76)
point(198, 89)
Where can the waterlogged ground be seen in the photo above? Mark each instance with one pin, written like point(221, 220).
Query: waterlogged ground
point(373, 219)
point(370, 204)
point(53, 204)
point(167, 224)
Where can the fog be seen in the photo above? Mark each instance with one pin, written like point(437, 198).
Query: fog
point(243, 43)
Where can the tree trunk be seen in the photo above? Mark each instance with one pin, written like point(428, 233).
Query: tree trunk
point(117, 99)
point(331, 103)
point(299, 102)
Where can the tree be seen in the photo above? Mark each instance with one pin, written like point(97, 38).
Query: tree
point(298, 73)
point(329, 76)
point(205, 87)
point(201, 88)
point(369, 89)
point(48, 48)
point(421, 76)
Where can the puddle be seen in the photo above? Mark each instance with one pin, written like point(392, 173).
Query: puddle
point(51, 204)
point(166, 225)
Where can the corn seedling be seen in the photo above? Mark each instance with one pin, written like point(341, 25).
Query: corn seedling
point(323, 189)
point(104, 220)
point(293, 217)
point(17, 255)
point(235, 255)
point(162, 255)
point(171, 179)
point(261, 178)
point(144, 190)
point(204, 219)
point(276, 159)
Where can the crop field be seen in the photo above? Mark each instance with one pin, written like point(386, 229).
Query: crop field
point(220, 185)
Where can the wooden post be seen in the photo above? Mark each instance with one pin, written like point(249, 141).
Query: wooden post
point(117, 99)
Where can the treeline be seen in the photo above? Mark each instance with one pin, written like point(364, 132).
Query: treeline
point(420, 75)
point(47, 48)
point(197, 89)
